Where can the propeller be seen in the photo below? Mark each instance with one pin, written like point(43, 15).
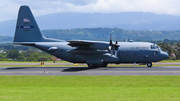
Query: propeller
point(113, 47)
point(116, 46)
point(110, 43)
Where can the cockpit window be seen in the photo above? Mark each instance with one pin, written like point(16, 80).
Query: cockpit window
point(154, 47)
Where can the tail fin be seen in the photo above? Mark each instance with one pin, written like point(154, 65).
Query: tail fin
point(27, 29)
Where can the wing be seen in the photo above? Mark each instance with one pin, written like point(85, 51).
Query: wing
point(88, 47)
point(89, 44)
point(80, 43)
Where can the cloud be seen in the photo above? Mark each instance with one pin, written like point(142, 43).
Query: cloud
point(9, 8)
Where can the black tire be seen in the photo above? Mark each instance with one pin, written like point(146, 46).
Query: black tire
point(104, 65)
point(149, 64)
point(92, 66)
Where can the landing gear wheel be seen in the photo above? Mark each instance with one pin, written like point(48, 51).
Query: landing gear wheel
point(92, 66)
point(149, 64)
point(104, 65)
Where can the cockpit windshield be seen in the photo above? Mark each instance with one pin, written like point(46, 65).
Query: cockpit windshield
point(154, 46)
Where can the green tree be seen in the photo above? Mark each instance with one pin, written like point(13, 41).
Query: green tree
point(2, 56)
point(13, 54)
point(177, 51)
point(28, 53)
point(167, 48)
point(21, 57)
point(33, 57)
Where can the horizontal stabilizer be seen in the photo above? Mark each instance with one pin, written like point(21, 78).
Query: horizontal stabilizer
point(25, 43)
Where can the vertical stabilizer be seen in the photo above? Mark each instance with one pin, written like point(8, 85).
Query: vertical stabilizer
point(27, 29)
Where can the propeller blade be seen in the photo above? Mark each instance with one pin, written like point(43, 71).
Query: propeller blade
point(110, 40)
point(116, 45)
point(111, 52)
point(110, 47)
point(116, 53)
point(117, 40)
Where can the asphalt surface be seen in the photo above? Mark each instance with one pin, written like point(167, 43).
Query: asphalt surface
point(17, 64)
point(66, 71)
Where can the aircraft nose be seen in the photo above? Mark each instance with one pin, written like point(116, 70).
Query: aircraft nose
point(164, 55)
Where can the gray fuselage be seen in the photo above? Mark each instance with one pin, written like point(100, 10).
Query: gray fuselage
point(128, 52)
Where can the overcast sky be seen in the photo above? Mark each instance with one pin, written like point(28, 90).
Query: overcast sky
point(9, 8)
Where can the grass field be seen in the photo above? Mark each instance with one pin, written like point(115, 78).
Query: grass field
point(89, 88)
point(170, 61)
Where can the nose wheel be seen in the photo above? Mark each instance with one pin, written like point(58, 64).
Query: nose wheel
point(149, 64)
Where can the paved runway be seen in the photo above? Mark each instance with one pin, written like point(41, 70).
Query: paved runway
point(165, 70)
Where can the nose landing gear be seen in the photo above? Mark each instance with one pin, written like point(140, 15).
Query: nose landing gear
point(149, 64)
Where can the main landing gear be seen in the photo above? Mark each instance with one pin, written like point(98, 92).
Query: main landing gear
point(92, 66)
point(149, 64)
point(96, 66)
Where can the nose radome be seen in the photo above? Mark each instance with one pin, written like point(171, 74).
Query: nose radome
point(165, 55)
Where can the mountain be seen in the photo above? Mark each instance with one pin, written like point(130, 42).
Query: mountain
point(103, 34)
point(128, 21)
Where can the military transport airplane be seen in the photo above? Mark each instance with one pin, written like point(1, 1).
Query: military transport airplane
point(93, 53)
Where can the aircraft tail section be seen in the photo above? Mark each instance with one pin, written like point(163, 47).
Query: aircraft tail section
point(27, 29)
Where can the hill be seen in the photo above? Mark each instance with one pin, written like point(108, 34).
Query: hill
point(128, 21)
point(103, 34)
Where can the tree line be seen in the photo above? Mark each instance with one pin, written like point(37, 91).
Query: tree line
point(173, 50)
point(29, 55)
point(103, 34)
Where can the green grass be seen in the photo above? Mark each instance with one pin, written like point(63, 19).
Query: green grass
point(89, 88)
point(170, 61)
